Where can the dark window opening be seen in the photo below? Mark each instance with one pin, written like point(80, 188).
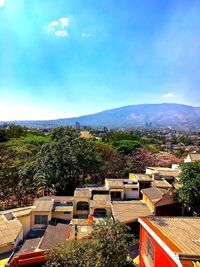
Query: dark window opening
point(41, 219)
point(83, 206)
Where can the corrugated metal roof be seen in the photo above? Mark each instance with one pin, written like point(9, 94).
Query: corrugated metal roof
point(154, 193)
point(43, 205)
point(183, 231)
point(115, 183)
point(162, 183)
point(129, 211)
point(9, 230)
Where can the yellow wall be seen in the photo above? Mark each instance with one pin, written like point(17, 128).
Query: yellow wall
point(26, 224)
point(148, 203)
point(132, 176)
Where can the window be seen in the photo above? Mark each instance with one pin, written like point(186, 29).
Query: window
point(82, 206)
point(67, 212)
point(41, 219)
point(149, 252)
point(100, 213)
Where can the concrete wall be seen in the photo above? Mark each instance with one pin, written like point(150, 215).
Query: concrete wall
point(131, 194)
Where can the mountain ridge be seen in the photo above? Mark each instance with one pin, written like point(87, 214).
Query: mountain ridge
point(157, 115)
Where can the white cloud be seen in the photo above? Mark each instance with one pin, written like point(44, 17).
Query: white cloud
point(85, 35)
point(64, 22)
point(2, 2)
point(59, 27)
point(53, 24)
point(61, 33)
point(168, 95)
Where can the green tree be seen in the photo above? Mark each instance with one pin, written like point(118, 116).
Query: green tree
point(126, 146)
point(67, 160)
point(108, 246)
point(189, 193)
point(113, 242)
point(73, 253)
point(17, 156)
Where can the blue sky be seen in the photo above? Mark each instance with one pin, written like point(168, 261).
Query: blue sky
point(62, 58)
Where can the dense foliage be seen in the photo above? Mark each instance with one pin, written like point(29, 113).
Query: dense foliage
point(33, 163)
point(108, 246)
point(18, 151)
point(189, 193)
point(66, 161)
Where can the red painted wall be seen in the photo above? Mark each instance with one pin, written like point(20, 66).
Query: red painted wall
point(161, 258)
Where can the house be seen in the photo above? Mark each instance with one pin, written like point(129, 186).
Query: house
point(169, 241)
point(23, 215)
point(161, 201)
point(169, 174)
point(33, 251)
point(144, 181)
point(122, 189)
point(54, 209)
point(192, 157)
point(11, 233)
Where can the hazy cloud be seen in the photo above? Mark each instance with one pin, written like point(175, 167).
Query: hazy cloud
point(168, 95)
point(85, 35)
point(59, 27)
point(2, 2)
point(64, 22)
point(62, 33)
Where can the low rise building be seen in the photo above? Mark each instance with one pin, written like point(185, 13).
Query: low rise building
point(169, 241)
point(161, 202)
point(192, 157)
point(11, 233)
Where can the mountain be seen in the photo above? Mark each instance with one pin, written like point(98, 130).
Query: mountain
point(156, 115)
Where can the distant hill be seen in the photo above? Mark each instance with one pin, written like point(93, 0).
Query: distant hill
point(155, 115)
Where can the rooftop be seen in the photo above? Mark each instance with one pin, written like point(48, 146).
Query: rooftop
point(59, 198)
point(183, 231)
point(82, 192)
point(43, 204)
point(115, 183)
point(143, 177)
point(129, 211)
point(18, 212)
point(52, 236)
point(154, 193)
point(161, 183)
point(9, 230)
point(195, 157)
